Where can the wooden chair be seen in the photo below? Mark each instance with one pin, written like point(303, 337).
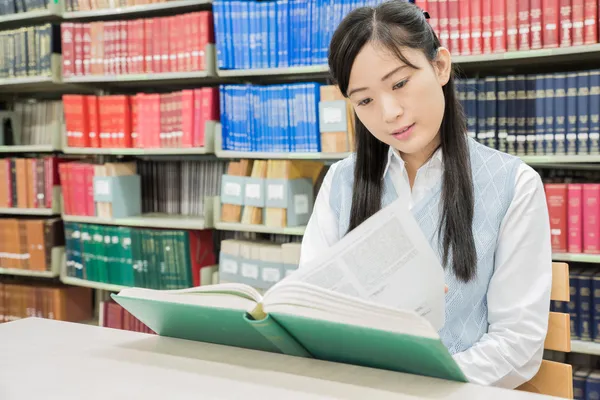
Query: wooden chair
point(554, 378)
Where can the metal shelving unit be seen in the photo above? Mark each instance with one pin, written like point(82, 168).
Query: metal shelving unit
point(178, 5)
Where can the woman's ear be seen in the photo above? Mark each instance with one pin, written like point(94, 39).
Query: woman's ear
point(443, 65)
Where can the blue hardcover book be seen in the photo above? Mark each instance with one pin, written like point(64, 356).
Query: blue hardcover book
point(571, 122)
point(579, 382)
point(273, 28)
point(501, 117)
point(219, 34)
point(244, 120)
point(232, 102)
point(490, 112)
point(540, 113)
point(585, 305)
point(253, 36)
point(274, 119)
point(530, 118)
point(237, 33)
point(521, 114)
point(315, 29)
point(574, 302)
point(558, 306)
point(560, 114)
point(227, 13)
point(594, 109)
point(596, 307)
point(511, 114)
point(245, 32)
point(313, 97)
point(304, 17)
point(583, 125)
point(223, 116)
point(481, 112)
point(264, 32)
point(592, 385)
point(470, 89)
point(248, 111)
point(283, 7)
point(294, 30)
point(296, 110)
point(549, 114)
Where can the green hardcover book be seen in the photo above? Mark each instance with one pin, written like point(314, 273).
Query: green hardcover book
point(127, 271)
point(299, 319)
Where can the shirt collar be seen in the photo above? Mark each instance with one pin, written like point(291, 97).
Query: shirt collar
point(394, 157)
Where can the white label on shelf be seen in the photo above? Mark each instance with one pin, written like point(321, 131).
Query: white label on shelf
point(102, 188)
point(250, 270)
point(253, 191)
point(275, 192)
point(271, 274)
point(233, 189)
point(229, 266)
point(332, 115)
point(301, 204)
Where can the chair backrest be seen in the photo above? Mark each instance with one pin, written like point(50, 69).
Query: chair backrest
point(553, 378)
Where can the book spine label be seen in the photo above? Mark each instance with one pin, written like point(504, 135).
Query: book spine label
point(591, 213)
point(68, 48)
point(575, 212)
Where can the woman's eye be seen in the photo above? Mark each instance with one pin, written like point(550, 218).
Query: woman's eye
point(364, 102)
point(400, 84)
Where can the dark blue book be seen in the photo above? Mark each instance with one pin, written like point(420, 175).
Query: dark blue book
point(501, 114)
point(490, 112)
point(511, 114)
point(592, 385)
point(580, 376)
point(596, 307)
point(470, 88)
point(574, 302)
point(583, 111)
point(571, 122)
point(540, 114)
point(558, 306)
point(531, 115)
point(560, 114)
point(549, 114)
point(594, 108)
point(585, 305)
point(223, 117)
point(481, 112)
point(521, 114)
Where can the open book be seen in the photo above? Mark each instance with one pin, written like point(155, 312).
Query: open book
point(376, 299)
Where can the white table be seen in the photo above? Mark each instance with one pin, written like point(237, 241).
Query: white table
point(43, 359)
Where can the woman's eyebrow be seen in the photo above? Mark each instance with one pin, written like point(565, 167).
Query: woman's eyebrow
point(386, 76)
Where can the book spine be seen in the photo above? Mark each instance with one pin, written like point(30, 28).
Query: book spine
point(465, 28)
point(549, 114)
point(550, 15)
point(524, 24)
point(540, 114)
point(571, 123)
point(574, 303)
point(578, 32)
point(454, 26)
point(536, 23)
point(560, 114)
point(596, 308)
point(566, 24)
point(590, 14)
point(556, 196)
point(476, 27)
point(499, 26)
point(502, 143)
point(583, 129)
point(511, 113)
point(486, 25)
point(594, 110)
point(575, 222)
point(591, 215)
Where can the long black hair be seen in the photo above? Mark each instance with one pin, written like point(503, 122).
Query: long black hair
point(396, 25)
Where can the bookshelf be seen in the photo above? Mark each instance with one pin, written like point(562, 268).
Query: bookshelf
point(138, 10)
point(314, 70)
point(579, 258)
point(579, 346)
point(55, 210)
point(41, 148)
point(51, 14)
point(68, 280)
point(561, 159)
point(150, 220)
point(58, 257)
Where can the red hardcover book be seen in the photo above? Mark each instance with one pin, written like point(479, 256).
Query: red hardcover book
point(178, 118)
point(94, 123)
point(486, 26)
point(52, 177)
point(465, 28)
point(444, 35)
point(131, 57)
point(66, 188)
point(198, 44)
point(88, 171)
point(201, 253)
point(149, 45)
point(578, 22)
point(152, 120)
point(191, 31)
point(556, 197)
point(124, 40)
point(84, 121)
point(550, 23)
point(167, 37)
point(68, 113)
point(187, 118)
point(512, 25)
point(123, 121)
point(157, 34)
point(591, 216)
point(109, 48)
point(67, 34)
point(104, 121)
point(135, 140)
point(499, 26)
point(566, 24)
point(575, 222)
point(590, 21)
point(434, 14)
point(78, 42)
point(454, 25)
point(87, 49)
point(536, 23)
point(476, 27)
point(524, 24)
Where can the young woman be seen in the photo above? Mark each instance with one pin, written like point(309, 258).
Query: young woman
point(483, 211)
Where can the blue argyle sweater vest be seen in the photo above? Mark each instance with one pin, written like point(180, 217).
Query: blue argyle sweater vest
point(493, 182)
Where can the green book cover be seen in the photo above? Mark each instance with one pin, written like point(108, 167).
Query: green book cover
point(297, 319)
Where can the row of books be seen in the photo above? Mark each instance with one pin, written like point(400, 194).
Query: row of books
point(586, 383)
point(151, 45)
point(117, 5)
point(28, 182)
point(535, 114)
point(584, 304)
point(574, 210)
point(271, 117)
point(28, 51)
point(63, 303)
point(277, 33)
point(28, 243)
point(8, 7)
point(140, 257)
point(116, 317)
point(145, 120)
point(260, 264)
point(481, 27)
point(34, 122)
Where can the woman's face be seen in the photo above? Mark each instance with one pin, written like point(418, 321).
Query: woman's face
point(400, 105)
